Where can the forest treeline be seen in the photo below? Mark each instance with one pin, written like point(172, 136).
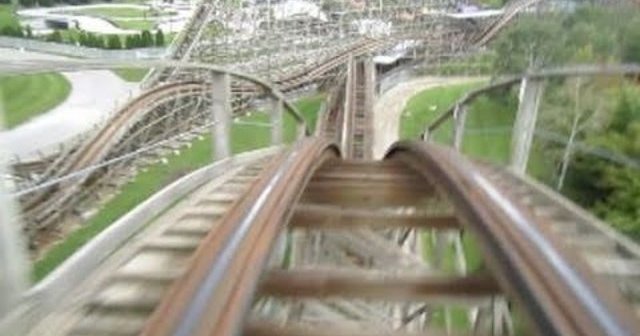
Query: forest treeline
point(597, 159)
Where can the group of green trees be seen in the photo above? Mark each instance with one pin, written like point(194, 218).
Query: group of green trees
point(611, 187)
point(598, 162)
point(143, 40)
point(590, 34)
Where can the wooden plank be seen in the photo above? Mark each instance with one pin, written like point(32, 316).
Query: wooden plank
point(321, 283)
point(265, 328)
point(322, 216)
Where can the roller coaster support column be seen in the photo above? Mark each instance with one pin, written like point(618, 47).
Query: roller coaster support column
point(370, 74)
point(276, 122)
point(13, 258)
point(525, 124)
point(221, 109)
point(347, 106)
point(459, 120)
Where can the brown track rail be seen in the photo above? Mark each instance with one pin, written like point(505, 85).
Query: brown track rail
point(216, 292)
point(557, 293)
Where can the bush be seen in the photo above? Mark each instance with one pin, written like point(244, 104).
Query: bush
point(54, 37)
point(146, 39)
point(82, 39)
point(137, 41)
point(159, 38)
point(12, 31)
point(129, 42)
point(113, 42)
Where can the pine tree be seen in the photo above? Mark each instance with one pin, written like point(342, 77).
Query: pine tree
point(146, 38)
point(159, 38)
point(113, 42)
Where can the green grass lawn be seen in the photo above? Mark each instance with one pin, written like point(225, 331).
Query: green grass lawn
point(26, 96)
point(8, 17)
point(487, 130)
point(141, 24)
point(131, 74)
point(155, 177)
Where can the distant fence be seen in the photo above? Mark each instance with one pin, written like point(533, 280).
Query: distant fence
point(79, 51)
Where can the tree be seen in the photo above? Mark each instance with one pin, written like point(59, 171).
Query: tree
point(45, 3)
point(612, 187)
point(82, 39)
point(531, 43)
point(99, 42)
point(27, 3)
point(15, 31)
point(159, 38)
point(575, 107)
point(146, 38)
point(129, 42)
point(54, 37)
point(113, 42)
point(631, 43)
point(137, 41)
point(93, 40)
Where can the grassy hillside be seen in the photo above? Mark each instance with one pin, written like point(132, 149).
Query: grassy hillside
point(26, 96)
point(488, 125)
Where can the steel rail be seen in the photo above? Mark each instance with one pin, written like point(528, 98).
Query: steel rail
point(215, 293)
point(556, 290)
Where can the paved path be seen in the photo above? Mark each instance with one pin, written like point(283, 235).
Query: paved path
point(94, 95)
point(388, 108)
point(97, 24)
point(10, 54)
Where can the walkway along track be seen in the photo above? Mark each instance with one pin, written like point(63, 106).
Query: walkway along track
point(116, 296)
point(313, 189)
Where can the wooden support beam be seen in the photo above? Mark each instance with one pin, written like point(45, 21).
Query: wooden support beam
point(362, 194)
point(221, 111)
point(321, 283)
point(322, 216)
point(277, 122)
point(265, 328)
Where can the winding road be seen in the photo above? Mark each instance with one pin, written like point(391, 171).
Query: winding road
point(388, 108)
point(94, 94)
